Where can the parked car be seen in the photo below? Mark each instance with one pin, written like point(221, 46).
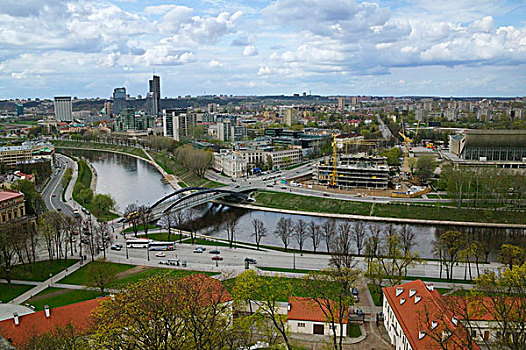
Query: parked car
point(84, 241)
point(354, 291)
point(115, 247)
point(160, 255)
point(197, 250)
point(215, 251)
point(251, 261)
point(217, 257)
point(54, 194)
point(202, 248)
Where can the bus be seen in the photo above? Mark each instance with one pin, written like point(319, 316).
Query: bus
point(137, 243)
point(156, 245)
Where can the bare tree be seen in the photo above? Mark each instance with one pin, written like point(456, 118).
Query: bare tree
point(145, 216)
point(300, 233)
point(408, 238)
point(7, 252)
point(358, 233)
point(341, 256)
point(189, 223)
point(284, 231)
point(231, 223)
point(168, 221)
point(328, 230)
point(315, 234)
point(131, 213)
point(259, 232)
point(372, 243)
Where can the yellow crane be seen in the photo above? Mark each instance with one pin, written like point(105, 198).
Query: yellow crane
point(407, 141)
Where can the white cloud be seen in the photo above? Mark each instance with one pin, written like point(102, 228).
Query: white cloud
point(215, 64)
point(250, 50)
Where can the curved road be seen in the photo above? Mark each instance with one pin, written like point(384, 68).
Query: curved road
point(52, 194)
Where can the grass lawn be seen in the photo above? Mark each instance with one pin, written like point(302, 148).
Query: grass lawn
point(354, 331)
point(443, 291)
point(436, 279)
point(140, 227)
point(432, 212)
point(55, 297)
point(8, 293)
point(306, 203)
point(163, 236)
point(283, 269)
point(80, 277)
point(376, 294)
point(40, 270)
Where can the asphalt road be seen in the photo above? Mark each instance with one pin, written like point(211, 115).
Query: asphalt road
point(52, 194)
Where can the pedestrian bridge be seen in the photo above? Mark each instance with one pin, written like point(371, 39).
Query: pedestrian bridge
point(190, 197)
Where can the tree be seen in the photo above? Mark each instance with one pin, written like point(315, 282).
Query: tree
point(101, 273)
point(315, 234)
point(393, 156)
point(131, 213)
point(231, 224)
point(145, 216)
point(266, 294)
point(341, 256)
point(328, 230)
point(449, 246)
point(66, 337)
point(300, 233)
point(259, 232)
point(7, 252)
point(358, 234)
point(331, 289)
point(408, 238)
point(503, 298)
point(34, 203)
point(284, 231)
point(102, 204)
point(512, 255)
point(168, 221)
point(425, 166)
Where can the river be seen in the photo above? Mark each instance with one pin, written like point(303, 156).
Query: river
point(131, 180)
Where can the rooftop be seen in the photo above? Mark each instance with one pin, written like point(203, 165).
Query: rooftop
point(6, 195)
point(306, 309)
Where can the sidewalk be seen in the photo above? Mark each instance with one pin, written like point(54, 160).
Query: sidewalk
point(172, 179)
point(45, 284)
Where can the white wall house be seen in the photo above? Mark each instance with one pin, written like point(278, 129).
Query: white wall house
point(305, 316)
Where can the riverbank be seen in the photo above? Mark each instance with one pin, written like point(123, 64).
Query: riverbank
point(395, 213)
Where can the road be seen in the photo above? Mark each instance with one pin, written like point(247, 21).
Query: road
point(52, 194)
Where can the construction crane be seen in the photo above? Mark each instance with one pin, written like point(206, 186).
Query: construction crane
point(407, 141)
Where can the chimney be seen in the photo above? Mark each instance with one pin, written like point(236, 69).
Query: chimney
point(421, 334)
point(412, 292)
point(112, 296)
point(15, 318)
point(434, 324)
point(454, 320)
point(430, 287)
point(417, 298)
point(402, 300)
point(288, 307)
point(46, 310)
point(399, 290)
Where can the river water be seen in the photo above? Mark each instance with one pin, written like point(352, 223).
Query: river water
point(131, 180)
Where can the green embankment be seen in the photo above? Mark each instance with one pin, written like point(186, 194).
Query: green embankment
point(335, 206)
point(101, 146)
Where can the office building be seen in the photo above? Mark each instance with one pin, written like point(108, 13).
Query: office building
point(490, 145)
point(291, 116)
point(63, 108)
point(177, 123)
point(19, 109)
point(119, 100)
point(11, 155)
point(154, 95)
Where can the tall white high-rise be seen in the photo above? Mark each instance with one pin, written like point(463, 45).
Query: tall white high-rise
point(63, 108)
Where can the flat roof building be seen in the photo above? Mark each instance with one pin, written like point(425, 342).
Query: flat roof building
point(490, 145)
point(63, 108)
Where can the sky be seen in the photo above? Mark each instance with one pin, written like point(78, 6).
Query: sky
point(86, 48)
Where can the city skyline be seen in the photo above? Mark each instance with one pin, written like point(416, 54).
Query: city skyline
point(343, 47)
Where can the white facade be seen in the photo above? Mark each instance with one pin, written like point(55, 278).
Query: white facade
point(230, 164)
point(177, 125)
point(396, 334)
point(284, 158)
point(308, 327)
point(63, 108)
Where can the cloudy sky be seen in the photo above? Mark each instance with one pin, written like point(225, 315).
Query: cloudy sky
point(85, 48)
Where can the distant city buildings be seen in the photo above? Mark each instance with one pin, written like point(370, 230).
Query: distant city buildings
point(119, 100)
point(154, 95)
point(63, 108)
point(177, 123)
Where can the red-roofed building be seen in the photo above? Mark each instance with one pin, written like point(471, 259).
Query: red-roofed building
point(210, 290)
point(415, 317)
point(20, 329)
point(306, 316)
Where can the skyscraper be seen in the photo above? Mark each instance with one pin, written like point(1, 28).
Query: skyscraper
point(63, 108)
point(119, 100)
point(155, 93)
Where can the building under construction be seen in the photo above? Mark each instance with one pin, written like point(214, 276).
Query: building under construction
point(352, 171)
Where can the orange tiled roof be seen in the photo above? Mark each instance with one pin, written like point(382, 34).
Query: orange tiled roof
point(306, 309)
point(210, 288)
point(413, 317)
point(78, 315)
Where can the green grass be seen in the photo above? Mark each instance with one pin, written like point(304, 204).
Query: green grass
point(436, 279)
point(182, 184)
point(307, 203)
point(431, 212)
point(376, 294)
point(40, 270)
point(443, 291)
point(80, 277)
point(163, 236)
point(8, 293)
point(67, 297)
point(141, 228)
point(354, 330)
point(284, 269)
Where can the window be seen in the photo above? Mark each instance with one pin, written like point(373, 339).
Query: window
point(301, 324)
point(473, 334)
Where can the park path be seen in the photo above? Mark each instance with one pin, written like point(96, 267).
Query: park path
point(172, 179)
point(45, 284)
